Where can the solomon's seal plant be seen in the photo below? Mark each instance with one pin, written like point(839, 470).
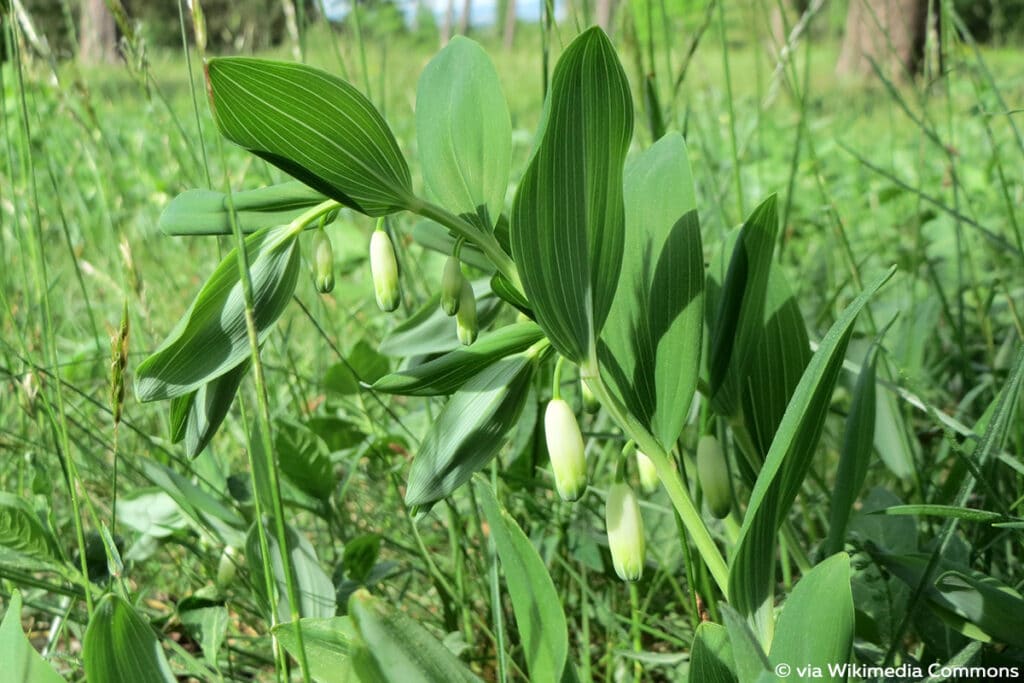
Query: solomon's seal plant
point(601, 251)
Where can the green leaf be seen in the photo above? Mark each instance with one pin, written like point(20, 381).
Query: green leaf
point(121, 647)
point(654, 331)
point(464, 132)
point(205, 510)
point(815, 628)
point(711, 655)
point(436, 237)
point(206, 212)
point(314, 587)
point(360, 556)
point(445, 374)
point(776, 363)
point(752, 573)
point(196, 417)
point(313, 126)
point(403, 651)
point(965, 514)
point(987, 603)
point(470, 430)
point(207, 623)
point(304, 458)
point(429, 330)
point(24, 536)
point(211, 339)
point(328, 644)
point(150, 512)
point(20, 660)
point(858, 441)
point(567, 229)
point(748, 656)
point(535, 600)
point(364, 364)
point(739, 312)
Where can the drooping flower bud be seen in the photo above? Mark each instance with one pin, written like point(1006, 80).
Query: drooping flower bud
point(465, 319)
point(648, 473)
point(451, 286)
point(384, 268)
point(713, 475)
point(566, 450)
point(227, 567)
point(323, 261)
point(625, 531)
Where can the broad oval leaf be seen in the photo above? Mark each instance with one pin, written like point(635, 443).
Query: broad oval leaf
point(23, 537)
point(749, 658)
point(776, 362)
point(20, 660)
point(567, 220)
point(464, 132)
point(328, 645)
point(314, 587)
point(711, 655)
point(304, 458)
point(815, 628)
point(470, 430)
point(196, 417)
point(739, 309)
point(314, 126)
point(206, 212)
point(535, 600)
point(211, 339)
point(443, 375)
point(858, 439)
point(652, 340)
point(752, 572)
point(403, 651)
point(121, 647)
point(429, 330)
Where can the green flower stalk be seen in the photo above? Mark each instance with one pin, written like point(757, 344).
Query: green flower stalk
point(590, 403)
point(648, 473)
point(323, 261)
point(384, 268)
point(566, 449)
point(451, 285)
point(713, 475)
point(625, 531)
point(465, 319)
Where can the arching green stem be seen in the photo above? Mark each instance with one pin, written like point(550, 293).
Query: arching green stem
point(667, 473)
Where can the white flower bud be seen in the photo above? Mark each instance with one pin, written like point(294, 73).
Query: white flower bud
point(625, 531)
point(566, 450)
point(384, 268)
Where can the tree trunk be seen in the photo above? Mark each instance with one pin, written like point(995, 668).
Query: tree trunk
point(449, 19)
point(97, 37)
point(466, 20)
point(890, 32)
point(510, 23)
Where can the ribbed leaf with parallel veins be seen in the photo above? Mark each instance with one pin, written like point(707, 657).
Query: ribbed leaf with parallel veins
point(651, 343)
point(314, 126)
point(567, 221)
point(751, 575)
point(464, 132)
